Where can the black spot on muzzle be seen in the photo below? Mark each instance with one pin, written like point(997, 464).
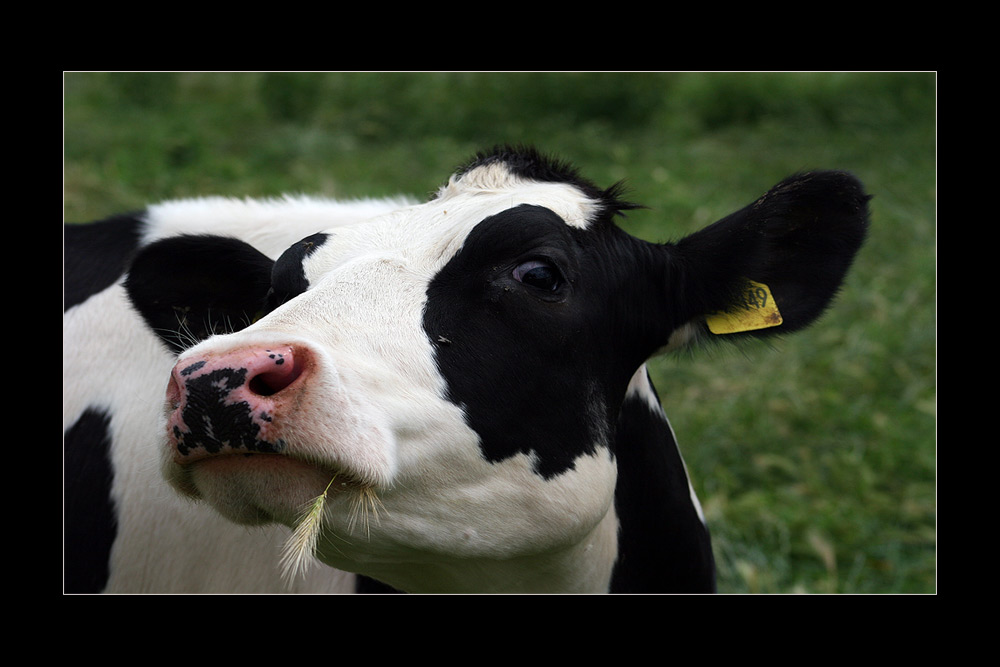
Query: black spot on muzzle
point(214, 422)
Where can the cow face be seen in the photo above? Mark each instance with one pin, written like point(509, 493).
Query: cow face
point(451, 372)
point(434, 368)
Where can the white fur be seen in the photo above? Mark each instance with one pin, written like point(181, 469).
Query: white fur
point(269, 225)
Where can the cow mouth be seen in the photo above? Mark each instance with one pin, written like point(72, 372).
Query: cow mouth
point(253, 488)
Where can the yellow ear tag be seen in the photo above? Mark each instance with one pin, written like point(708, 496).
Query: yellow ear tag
point(757, 310)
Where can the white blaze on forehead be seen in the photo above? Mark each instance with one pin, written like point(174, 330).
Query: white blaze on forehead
point(511, 190)
point(425, 236)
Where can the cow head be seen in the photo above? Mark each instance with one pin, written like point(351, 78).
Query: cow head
point(452, 371)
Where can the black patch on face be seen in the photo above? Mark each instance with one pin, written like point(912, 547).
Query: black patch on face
point(288, 278)
point(89, 521)
point(527, 354)
point(213, 422)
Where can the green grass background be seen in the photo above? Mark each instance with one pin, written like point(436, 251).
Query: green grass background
point(815, 458)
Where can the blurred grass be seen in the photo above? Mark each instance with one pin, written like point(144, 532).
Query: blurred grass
point(815, 459)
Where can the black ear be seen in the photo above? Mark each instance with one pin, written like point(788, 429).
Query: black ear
point(774, 266)
point(188, 288)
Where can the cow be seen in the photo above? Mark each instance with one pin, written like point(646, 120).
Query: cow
point(457, 387)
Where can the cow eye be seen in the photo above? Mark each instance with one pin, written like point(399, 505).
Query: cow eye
point(539, 274)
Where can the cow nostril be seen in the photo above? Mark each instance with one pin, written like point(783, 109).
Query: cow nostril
point(283, 370)
point(268, 384)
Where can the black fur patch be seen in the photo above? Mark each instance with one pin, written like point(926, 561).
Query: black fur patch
point(663, 545)
point(95, 255)
point(213, 422)
point(288, 278)
point(188, 288)
point(536, 370)
point(89, 521)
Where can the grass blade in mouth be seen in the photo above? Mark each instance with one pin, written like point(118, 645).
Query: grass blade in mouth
point(301, 544)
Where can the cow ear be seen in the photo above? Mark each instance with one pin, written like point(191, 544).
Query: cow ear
point(188, 288)
point(774, 266)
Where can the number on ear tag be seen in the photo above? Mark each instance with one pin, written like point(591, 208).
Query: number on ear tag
point(756, 310)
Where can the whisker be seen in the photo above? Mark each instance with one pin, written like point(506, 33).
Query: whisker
point(364, 507)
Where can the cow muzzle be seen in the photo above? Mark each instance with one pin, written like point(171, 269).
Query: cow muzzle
point(227, 403)
point(284, 410)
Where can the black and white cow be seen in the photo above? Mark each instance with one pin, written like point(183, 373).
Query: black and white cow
point(471, 367)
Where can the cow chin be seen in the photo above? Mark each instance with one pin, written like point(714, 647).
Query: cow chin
point(252, 489)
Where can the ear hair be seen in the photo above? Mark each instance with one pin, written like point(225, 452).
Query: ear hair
point(790, 249)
